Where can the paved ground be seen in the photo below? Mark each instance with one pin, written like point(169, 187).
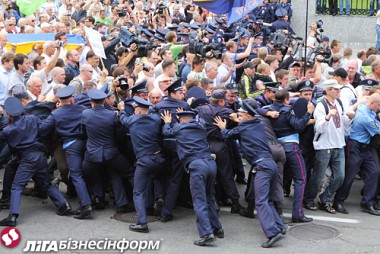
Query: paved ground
point(358, 232)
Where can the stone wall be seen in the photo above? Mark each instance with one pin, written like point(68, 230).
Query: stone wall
point(357, 32)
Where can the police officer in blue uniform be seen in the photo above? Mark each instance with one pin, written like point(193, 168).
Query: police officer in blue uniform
point(101, 126)
point(286, 127)
point(264, 12)
point(33, 162)
point(218, 145)
point(139, 90)
point(281, 24)
point(67, 123)
point(288, 7)
point(145, 132)
point(360, 157)
point(173, 164)
point(254, 145)
point(194, 152)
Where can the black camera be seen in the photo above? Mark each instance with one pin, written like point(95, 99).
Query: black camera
point(206, 51)
point(127, 38)
point(122, 12)
point(123, 84)
point(160, 8)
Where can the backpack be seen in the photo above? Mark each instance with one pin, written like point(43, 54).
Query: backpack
point(327, 109)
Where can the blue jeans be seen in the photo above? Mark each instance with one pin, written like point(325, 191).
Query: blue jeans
point(348, 7)
point(333, 158)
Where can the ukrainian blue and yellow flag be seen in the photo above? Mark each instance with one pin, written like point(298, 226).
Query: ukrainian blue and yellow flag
point(24, 43)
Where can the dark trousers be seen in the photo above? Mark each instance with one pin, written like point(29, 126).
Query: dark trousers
point(296, 164)
point(33, 165)
point(177, 170)
point(265, 179)
point(237, 162)
point(202, 179)
point(74, 156)
point(360, 158)
point(9, 176)
point(146, 167)
point(224, 168)
point(279, 158)
point(333, 6)
point(119, 171)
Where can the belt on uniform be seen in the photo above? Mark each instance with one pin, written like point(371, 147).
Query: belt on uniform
point(284, 143)
point(260, 160)
point(363, 147)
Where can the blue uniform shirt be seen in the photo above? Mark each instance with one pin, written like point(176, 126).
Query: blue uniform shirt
point(253, 140)
point(22, 135)
point(191, 140)
point(144, 131)
point(365, 125)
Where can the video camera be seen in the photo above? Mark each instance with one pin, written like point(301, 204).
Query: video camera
point(143, 45)
point(205, 50)
point(123, 83)
point(319, 53)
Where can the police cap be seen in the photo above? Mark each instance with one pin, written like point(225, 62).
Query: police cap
point(306, 85)
point(13, 106)
point(175, 86)
point(96, 95)
point(246, 108)
point(219, 94)
point(273, 86)
point(140, 102)
point(65, 92)
point(232, 87)
point(139, 88)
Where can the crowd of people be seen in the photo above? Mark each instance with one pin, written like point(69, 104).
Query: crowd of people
point(179, 101)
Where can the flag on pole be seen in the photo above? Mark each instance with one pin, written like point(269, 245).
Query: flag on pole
point(240, 8)
point(236, 9)
point(215, 6)
point(28, 7)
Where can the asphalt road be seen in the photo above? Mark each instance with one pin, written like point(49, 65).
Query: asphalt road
point(356, 232)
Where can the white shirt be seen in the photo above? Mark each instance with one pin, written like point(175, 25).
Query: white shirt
point(223, 71)
point(326, 133)
point(47, 58)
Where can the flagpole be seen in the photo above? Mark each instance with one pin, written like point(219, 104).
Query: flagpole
point(305, 43)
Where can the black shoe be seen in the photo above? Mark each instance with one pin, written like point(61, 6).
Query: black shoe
point(272, 240)
point(219, 232)
point(10, 221)
point(370, 210)
point(311, 207)
point(284, 231)
point(225, 202)
point(158, 206)
point(286, 193)
point(98, 204)
point(241, 181)
point(85, 213)
point(128, 208)
point(375, 205)
point(235, 208)
point(245, 213)
point(340, 208)
point(206, 240)
point(166, 218)
point(64, 209)
point(140, 228)
point(304, 219)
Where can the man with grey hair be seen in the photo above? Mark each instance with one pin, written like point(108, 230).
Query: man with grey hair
point(84, 76)
point(211, 69)
point(155, 96)
point(34, 86)
point(49, 49)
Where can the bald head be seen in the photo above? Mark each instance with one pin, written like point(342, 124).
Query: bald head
point(373, 102)
point(155, 96)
